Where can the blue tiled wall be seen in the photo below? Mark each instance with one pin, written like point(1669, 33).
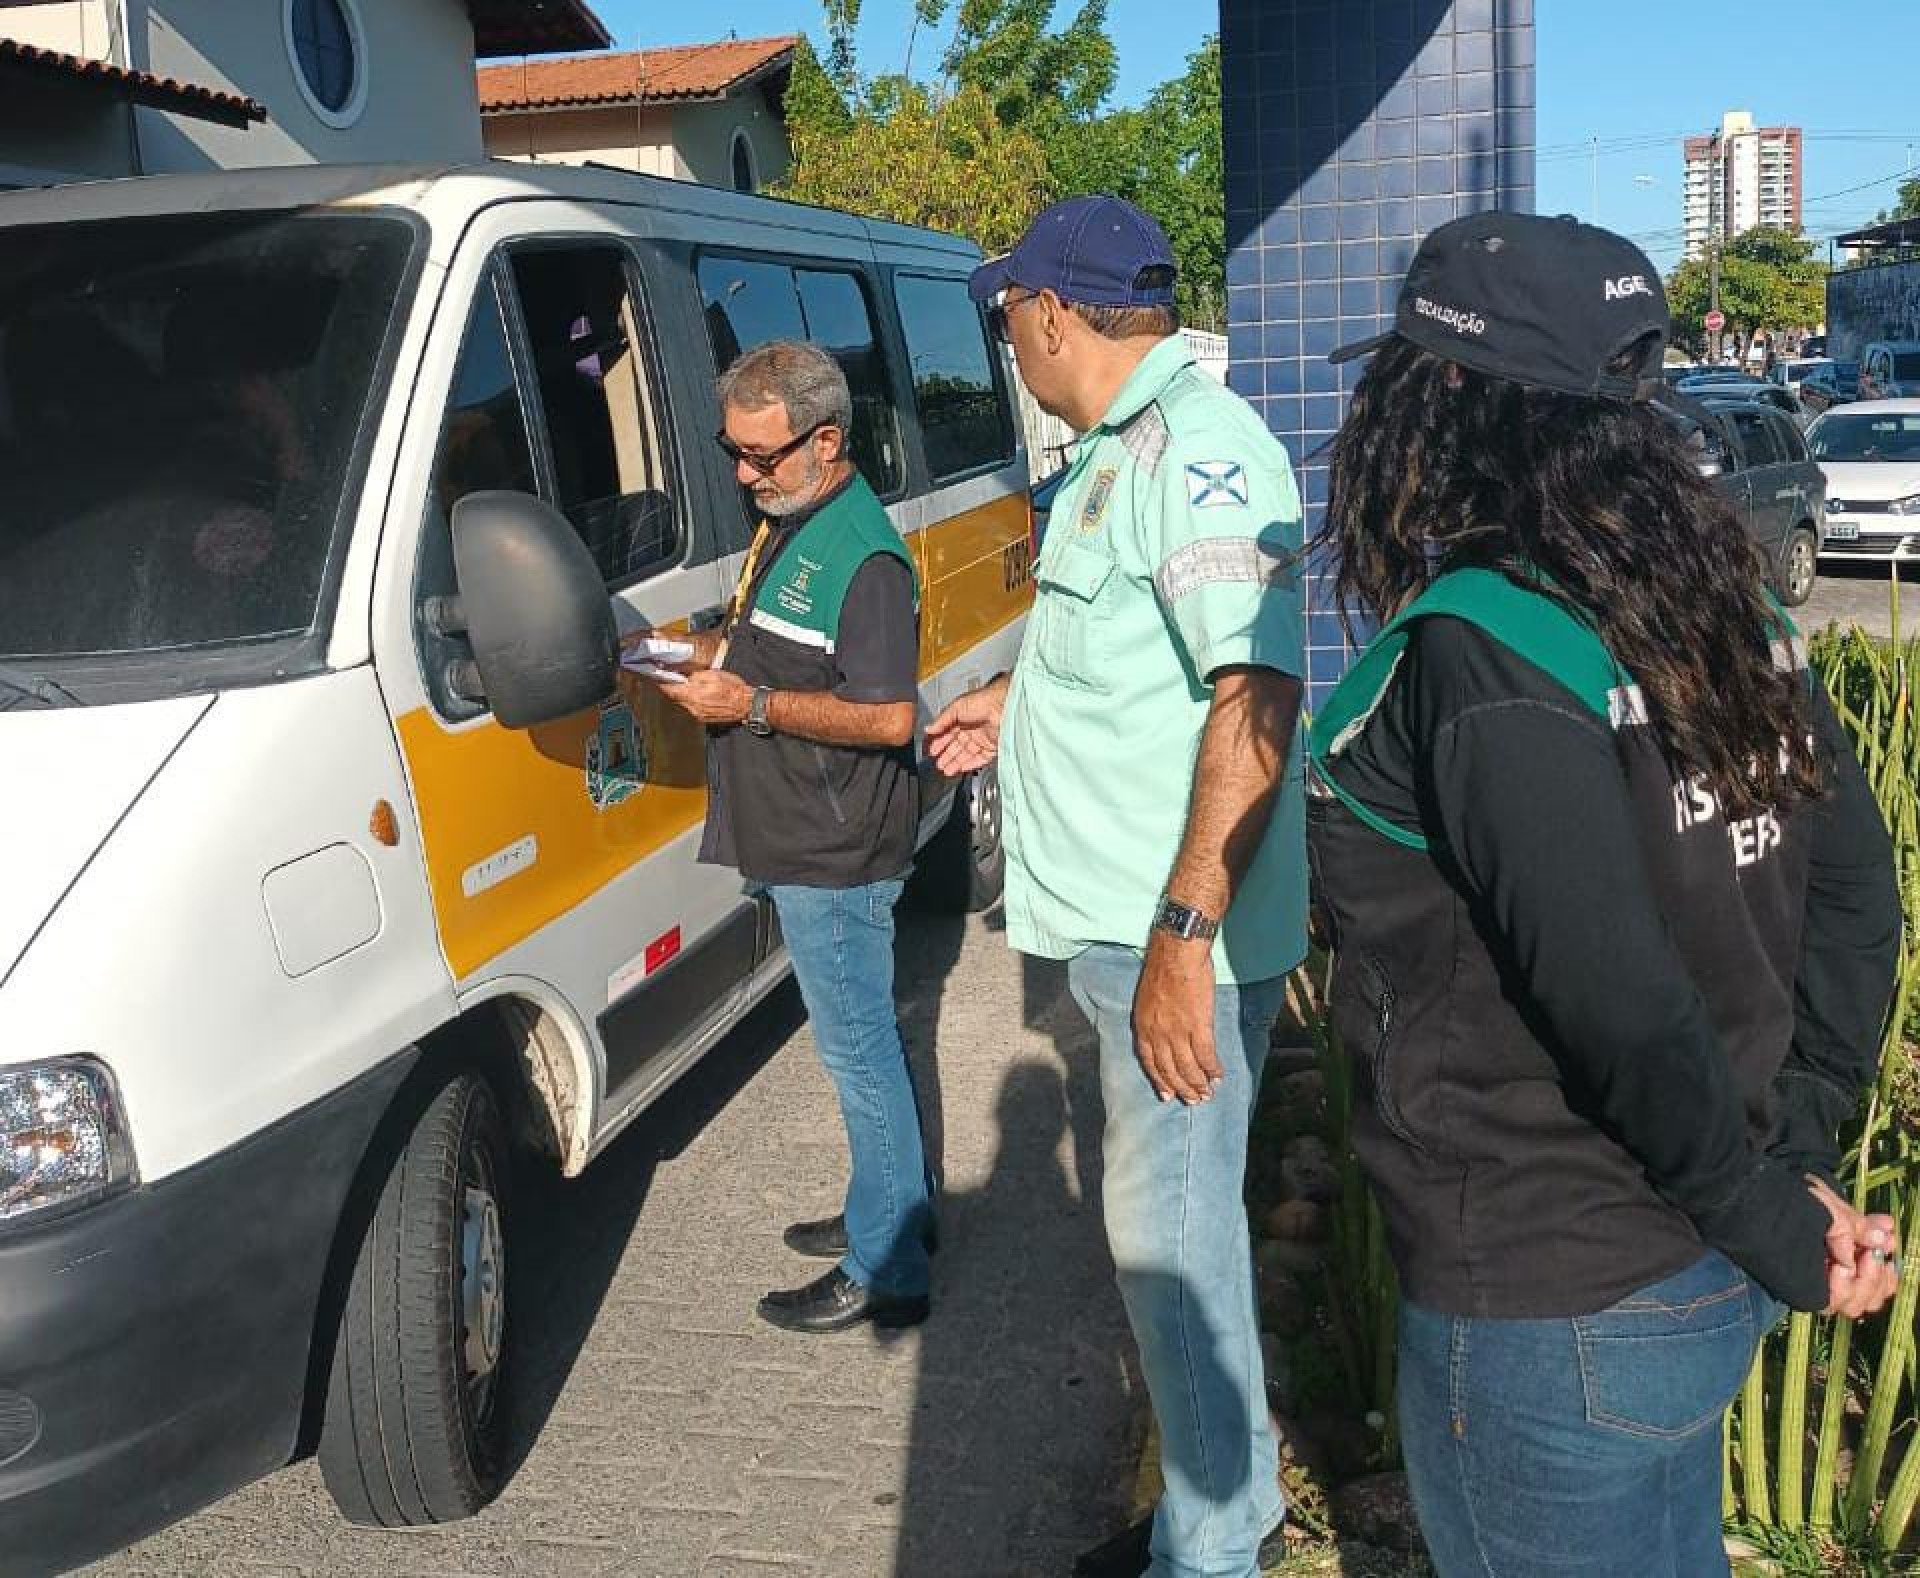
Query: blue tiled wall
point(1353, 127)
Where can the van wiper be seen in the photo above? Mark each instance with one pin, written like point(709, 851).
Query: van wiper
point(19, 684)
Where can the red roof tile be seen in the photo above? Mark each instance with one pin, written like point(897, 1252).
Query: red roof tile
point(138, 87)
point(648, 76)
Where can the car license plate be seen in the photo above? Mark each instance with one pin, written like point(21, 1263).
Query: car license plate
point(1843, 531)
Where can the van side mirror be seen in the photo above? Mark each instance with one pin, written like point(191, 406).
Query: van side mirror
point(535, 609)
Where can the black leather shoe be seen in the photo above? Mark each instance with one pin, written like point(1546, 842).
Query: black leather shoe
point(835, 1302)
point(1130, 1552)
point(827, 1238)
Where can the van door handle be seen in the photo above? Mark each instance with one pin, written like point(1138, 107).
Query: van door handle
point(708, 618)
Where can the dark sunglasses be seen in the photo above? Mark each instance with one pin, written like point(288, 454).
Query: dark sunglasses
point(997, 324)
point(768, 463)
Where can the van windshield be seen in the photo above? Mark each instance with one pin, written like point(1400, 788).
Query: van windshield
point(180, 399)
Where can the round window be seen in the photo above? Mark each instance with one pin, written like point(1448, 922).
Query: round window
point(326, 50)
point(743, 176)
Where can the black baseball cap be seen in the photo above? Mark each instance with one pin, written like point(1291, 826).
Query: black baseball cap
point(1544, 302)
point(1099, 251)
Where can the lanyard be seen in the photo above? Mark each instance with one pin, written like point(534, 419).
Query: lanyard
point(741, 588)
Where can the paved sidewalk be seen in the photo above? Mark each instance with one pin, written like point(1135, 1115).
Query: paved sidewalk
point(670, 1433)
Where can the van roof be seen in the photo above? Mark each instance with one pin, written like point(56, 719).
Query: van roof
point(445, 195)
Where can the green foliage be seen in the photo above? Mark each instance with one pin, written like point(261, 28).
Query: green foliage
point(1906, 203)
point(925, 157)
point(1846, 1390)
point(1769, 279)
point(1046, 89)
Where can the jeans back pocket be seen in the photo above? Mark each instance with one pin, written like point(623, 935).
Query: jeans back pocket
point(1667, 1360)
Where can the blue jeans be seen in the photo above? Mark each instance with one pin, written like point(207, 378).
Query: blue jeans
point(1579, 1448)
point(841, 943)
point(1177, 1226)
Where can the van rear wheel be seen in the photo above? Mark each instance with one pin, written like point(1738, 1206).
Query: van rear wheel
point(963, 869)
point(414, 1419)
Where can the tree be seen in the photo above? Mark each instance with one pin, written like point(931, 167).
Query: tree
point(923, 156)
point(1906, 203)
point(1769, 279)
point(1046, 89)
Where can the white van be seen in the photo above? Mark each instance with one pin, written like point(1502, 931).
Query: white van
point(341, 883)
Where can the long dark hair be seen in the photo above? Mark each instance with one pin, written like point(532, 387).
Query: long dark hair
point(1439, 468)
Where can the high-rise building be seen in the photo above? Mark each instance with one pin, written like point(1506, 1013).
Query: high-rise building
point(1744, 176)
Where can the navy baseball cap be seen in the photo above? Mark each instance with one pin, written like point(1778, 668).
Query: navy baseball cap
point(1545, 302)
point(1093, 250)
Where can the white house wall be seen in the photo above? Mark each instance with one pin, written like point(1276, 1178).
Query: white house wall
point(625, 138)
point(73, 27)
point(688, 142)
point(421, 100)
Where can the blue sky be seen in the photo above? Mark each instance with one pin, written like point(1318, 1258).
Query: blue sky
point(1154, 37)
point(1637, 75)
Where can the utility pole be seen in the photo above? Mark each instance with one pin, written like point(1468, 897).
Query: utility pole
point(1596, 179)
point(1715, 215)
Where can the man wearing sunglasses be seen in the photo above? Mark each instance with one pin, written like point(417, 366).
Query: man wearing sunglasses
point(1155, 837)
point(809, 692)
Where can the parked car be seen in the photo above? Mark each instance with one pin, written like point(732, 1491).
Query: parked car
point(1791, 372)
point(1834, 383)
point(1890, 370)
point(345, 883)
point(1760, 463)
point(1782, 400)
point(1870, 452)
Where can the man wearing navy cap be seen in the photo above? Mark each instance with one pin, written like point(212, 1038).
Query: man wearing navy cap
point(1155, 824)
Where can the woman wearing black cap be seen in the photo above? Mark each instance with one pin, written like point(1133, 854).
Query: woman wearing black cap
point(1612, 909)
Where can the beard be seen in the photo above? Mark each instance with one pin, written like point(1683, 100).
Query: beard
point(772, 499)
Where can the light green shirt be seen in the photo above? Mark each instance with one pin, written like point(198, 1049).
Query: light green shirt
point(1171, 552)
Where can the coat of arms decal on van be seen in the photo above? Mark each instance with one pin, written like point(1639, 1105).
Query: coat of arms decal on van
point(616, 757)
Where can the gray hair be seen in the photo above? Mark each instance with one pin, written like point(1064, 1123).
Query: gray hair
point(802, 377)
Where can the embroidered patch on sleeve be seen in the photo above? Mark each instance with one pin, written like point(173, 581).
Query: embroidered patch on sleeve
point(1213, 484)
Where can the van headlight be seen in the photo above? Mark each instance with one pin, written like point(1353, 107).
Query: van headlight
point(1910, 505)
point(63, 1137)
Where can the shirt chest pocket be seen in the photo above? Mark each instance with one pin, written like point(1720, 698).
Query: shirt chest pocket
point(1073, 615)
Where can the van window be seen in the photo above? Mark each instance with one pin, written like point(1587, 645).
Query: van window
point(750, 301)
point(599, 396)
point(483, 445)
point(963, 419)
point(181, 403)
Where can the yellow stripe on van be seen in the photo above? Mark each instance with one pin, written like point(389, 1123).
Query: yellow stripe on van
point(482, 791)
point(976, 569)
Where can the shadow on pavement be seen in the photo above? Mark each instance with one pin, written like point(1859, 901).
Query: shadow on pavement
point(572, 1233)
point(1021, 1444)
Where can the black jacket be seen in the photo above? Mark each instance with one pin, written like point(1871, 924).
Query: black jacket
point(1598, 1024)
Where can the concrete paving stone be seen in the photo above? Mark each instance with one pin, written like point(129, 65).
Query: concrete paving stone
point(670, 1433)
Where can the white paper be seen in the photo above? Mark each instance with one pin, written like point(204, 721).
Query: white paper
point(664, 676)
point(646, 656)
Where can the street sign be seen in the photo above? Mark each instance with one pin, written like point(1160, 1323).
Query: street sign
point(1715, 321)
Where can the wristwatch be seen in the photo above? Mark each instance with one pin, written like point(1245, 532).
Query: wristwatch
point(1184, 921)
point(757, 711)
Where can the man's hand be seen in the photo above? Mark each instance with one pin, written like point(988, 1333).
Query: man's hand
point(966, 735)
point(705, 644)
point(714, 696)
point(1863, 1256)
point(1173, 1019)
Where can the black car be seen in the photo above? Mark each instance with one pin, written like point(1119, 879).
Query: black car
point(1759, 461)
point(1837, 383)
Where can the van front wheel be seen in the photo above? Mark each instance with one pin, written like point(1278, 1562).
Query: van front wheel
point(413, 1430)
